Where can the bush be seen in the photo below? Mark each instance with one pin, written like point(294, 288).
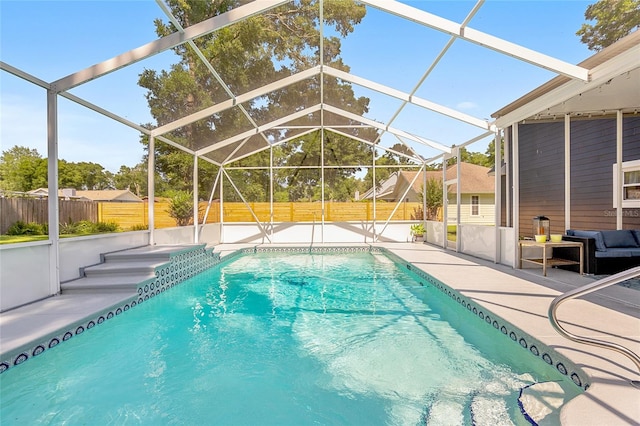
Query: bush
point(181, 208)
point(31, 228)
point(85, 227)
point(139, 227)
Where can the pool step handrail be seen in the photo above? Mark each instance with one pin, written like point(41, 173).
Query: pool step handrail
point(590, 288)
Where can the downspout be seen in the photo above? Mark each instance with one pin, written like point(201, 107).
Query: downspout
point(53, 203)
point(151, 167)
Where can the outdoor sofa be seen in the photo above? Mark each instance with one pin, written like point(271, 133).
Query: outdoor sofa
point(605, 252)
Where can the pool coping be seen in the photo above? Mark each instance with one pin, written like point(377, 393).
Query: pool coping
point(491, 299)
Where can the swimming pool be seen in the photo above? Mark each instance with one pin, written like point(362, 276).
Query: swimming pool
point(283, 338)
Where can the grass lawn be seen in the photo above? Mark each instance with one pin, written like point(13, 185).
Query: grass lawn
point(12, 239)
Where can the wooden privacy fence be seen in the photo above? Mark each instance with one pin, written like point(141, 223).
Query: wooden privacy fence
point(129, 215)
point(37, 210)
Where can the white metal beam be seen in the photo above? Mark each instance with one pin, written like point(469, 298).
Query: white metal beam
point(622, 63)
point(385, 90)
point(355, 117)
point(480, 38)
point(165, 43)
point(259, 130)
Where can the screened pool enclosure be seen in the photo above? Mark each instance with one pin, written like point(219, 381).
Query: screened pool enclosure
point(293, 109)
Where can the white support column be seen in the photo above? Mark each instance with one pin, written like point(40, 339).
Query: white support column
point(221, 171)
point(458, 202)
point(619, 158)
point(507, 176)
point(567, 172)
point(195, 199)
point(151, 178)
point(516, 192)
point(322, 204)
point(271, 192)
point(497, 194)
point(424, 194)
point(445, 202)
point(375, 195)
point(54, 207)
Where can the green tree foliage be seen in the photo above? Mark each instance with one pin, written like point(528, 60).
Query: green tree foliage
point(132, 178)
point(614, 19)
point(471, 158)
point(248, 54)
point(22, 169)
point(434, 198)
point(181, 207)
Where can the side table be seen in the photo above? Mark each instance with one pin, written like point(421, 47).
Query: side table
point(549, 260)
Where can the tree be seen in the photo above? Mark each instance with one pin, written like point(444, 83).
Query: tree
point(22, 169)
point(471, 158)
point(248, 54)
point(132, 178)
point(614, 20)
point(434, 198)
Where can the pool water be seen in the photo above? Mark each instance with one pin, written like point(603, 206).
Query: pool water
point(281, 339)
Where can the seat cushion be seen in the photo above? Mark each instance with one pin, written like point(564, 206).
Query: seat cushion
point(620, 238)
point(597, 235)
point(618, 252)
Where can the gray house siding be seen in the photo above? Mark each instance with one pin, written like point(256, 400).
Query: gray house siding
point(541, 159)
point(593, 153)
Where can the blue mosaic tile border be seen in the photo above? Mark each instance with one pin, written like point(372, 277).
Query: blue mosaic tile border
point(181, 266)
point(516, 336)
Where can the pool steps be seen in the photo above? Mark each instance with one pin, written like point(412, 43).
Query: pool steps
point(122, 271)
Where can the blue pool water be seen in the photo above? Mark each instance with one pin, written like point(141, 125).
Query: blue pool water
point(281, 339)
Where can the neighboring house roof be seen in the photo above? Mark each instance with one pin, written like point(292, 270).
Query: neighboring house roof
point(474, 180)
point(110, 195)
point(66, 193)
point(99, 195)
point(385, 191)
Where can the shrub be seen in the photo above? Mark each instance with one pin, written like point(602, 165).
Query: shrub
point(181, 208)
point(31, 228)
point(107, 227)
point(139, 227)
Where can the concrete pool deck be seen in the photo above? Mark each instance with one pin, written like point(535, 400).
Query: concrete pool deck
point(520, 297)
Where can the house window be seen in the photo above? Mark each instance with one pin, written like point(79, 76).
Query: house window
point(630, 184)
point(475, 205)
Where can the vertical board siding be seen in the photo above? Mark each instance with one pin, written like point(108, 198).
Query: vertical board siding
point(593, 153)
point(541, 158)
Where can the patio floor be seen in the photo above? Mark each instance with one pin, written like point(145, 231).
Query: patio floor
point(520, 297)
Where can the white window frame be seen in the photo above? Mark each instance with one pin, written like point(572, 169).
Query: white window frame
point(476, 205)
point(627, 166)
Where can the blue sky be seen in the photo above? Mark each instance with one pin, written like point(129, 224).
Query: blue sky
point(52, 39)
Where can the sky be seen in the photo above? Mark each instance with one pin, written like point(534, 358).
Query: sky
point(52, 39)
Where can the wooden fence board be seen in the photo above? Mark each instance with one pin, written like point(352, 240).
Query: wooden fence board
point(37, 210)
point(130, 214)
